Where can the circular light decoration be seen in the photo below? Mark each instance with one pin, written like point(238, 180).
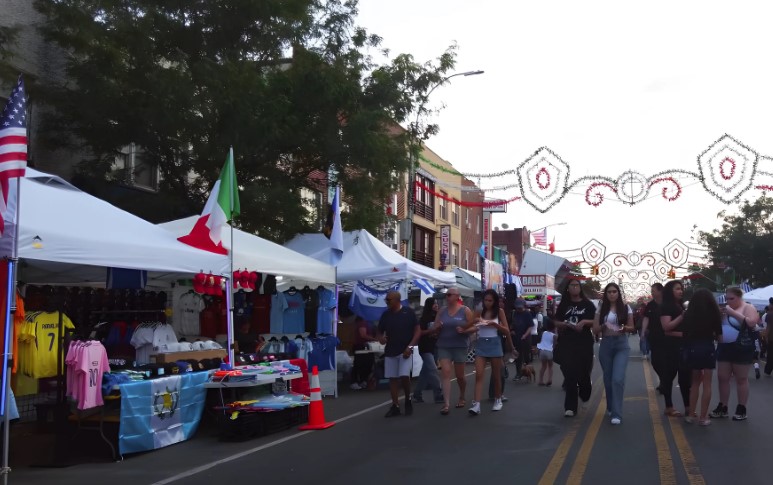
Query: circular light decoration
point(727, 168)
point(593, 252)
point(543, 178)
point(634, 258)
point(605, 270)
point(676, 253)
point(633, 274)
point(661, 269)
point(632, 187)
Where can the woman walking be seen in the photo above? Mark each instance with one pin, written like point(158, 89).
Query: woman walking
point(613, 321)
point(671, 318)
point(453, 323)
point(574, 319)
point(702, 327)
point(428, 377)
point(490, 321)
point(545, 349)
point(735, 353)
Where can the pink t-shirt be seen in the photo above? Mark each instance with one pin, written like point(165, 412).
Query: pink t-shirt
point(91, 367)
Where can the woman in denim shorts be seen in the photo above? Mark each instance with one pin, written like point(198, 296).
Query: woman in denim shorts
point(453, 323)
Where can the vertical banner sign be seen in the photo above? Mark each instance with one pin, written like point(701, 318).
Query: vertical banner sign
point(445, 244)
point(487, 234)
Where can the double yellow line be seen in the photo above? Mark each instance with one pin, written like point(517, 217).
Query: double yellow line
point(665, 463)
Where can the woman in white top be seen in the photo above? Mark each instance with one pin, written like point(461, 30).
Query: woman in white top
point(613, 320)
point(545, 347)
point(489, 322)
point(734, 359)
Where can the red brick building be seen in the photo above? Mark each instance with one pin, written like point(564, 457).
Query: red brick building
point(472, 226)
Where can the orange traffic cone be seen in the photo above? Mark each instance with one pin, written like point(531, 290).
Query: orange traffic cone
point(316, 411)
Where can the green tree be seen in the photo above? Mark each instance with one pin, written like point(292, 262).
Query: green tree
point(289, 83)
point(743, 247)
point(7, 42)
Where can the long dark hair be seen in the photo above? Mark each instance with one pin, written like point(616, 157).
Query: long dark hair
point(495, 306)
point(702, 311)
point(566, 300)
point(669, 302)
point(428, 314)
point(621, 309)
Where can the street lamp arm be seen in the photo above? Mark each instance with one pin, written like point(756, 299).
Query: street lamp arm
point(425, 97)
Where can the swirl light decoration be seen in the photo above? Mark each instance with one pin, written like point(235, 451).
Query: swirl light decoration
point(727, 169)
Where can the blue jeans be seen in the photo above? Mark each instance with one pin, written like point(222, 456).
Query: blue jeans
point(428, 378)
point(613, 357)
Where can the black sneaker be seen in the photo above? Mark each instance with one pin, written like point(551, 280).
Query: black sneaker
point(719, 412)
point(393, 411)
point(740, 413)
point(756, 372)
point(408, 407)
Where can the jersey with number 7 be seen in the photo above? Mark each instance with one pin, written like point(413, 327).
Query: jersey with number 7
point(41, 330)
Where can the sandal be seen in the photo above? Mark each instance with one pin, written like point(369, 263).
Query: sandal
point(673, 413)
point(444, 411)
point(462, 403)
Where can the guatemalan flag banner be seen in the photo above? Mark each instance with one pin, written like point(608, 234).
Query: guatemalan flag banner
point(369, 302)
point(160, 412)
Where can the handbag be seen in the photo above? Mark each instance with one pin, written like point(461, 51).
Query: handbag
point(745, 340)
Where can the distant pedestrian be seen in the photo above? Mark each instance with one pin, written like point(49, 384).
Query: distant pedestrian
point(735, 353)
point(574, 319)
point(768, 333)
point(671, 319)
point(428, 377)
point(399, 330)
point(489, 322)
point(702, 327)
point(545, 350)
point(521, 324)
point(613, 322)
point(453, 323)
point(652, 330)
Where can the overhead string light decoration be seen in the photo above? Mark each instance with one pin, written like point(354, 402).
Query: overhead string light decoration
point(485, 204)
point(727, 169)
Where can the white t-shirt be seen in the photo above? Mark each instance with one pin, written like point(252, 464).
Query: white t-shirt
point(611, 320)
point(546, 342)
point(186, 314)
point(487, 331)
point(537, 324)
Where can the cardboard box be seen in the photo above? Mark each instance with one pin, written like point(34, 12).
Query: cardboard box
point(188, 354)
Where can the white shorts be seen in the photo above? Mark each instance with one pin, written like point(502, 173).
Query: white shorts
point(397, 367)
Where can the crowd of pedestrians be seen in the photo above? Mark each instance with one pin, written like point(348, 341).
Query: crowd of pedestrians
point(685, 341)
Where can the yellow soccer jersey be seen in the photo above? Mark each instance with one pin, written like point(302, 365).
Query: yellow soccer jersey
point(43, 348)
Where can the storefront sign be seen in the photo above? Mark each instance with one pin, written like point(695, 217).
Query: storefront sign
point(487, 233)
point(501, 207)
point(537, 284)
point(445, 244)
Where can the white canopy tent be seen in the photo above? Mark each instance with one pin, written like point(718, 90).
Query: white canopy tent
point(759, 297)
point(256, 254)
point(68, 236)
point(365, 257)
point(468, 279)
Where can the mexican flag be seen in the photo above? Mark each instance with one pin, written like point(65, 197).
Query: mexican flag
point(221, 207)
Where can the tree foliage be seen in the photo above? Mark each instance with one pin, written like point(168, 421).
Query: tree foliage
point(743, 247)
point(290, 84)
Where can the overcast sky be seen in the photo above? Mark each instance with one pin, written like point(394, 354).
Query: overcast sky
point(609, 86)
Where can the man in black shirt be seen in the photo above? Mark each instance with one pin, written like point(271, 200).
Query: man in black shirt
point(652, 330)
point(399, 330)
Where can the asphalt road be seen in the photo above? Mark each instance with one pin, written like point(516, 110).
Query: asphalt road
point(529, 442)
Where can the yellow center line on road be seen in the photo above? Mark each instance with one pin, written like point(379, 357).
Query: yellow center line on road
point(581, 462)
point(559, 457)
point(665, 464)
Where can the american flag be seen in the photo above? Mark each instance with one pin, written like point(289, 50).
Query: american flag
point(540, 237)
point(13, 143)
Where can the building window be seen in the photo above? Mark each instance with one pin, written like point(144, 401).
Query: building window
point(466, 259)
point(455, 213)
point(425, 200)
point(132, 169)
point(467, 217)
point(443, 204)
point(477, 264)
point(477, 224)
point(424, 246)
point(455, 255)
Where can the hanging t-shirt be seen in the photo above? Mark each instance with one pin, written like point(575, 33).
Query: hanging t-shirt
point(88, 364)
point(187, 312)
point(294, 316)
point(311, 304)
point(323, 352)
point(278, 307)
point(261, 313)
point(40, 334)
point(327, 304)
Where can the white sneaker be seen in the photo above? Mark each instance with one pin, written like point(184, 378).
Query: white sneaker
point(355, 387)
point(569, 413)
point(497, 405)
point(475, 409)
point(615, 421)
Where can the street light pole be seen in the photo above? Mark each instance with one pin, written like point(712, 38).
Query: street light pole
point(417, 141)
